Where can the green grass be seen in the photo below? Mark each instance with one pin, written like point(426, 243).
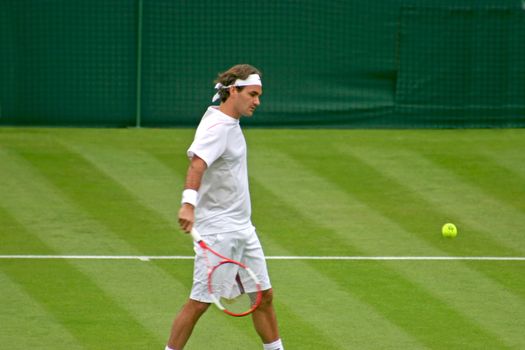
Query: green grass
point(314, 192)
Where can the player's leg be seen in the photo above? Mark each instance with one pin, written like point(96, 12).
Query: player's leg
point(185, 322)
point(196, 305)
point(265, 320)
point(264, 317)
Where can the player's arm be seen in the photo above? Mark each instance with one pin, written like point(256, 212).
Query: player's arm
point(189, 198)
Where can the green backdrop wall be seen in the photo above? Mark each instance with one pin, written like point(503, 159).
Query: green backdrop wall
point(354, 63)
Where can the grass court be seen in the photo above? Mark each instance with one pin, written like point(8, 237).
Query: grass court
point(360, 194)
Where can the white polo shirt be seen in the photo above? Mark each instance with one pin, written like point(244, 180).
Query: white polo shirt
point(223, 203)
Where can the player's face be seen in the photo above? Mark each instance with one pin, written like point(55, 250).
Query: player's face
point(247, 100)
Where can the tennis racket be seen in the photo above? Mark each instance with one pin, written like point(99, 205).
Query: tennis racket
point(233, 287)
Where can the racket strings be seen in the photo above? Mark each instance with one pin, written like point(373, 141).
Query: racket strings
point(230, 288)
point(233, 287)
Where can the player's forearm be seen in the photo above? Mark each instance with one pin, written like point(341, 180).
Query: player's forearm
point(193, 181)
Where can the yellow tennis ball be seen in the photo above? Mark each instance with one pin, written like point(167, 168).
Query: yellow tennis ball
point(449, 230)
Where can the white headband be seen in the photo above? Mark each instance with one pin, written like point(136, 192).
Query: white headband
point(253, 79)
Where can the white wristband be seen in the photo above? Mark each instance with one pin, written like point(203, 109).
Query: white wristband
point(189, 196)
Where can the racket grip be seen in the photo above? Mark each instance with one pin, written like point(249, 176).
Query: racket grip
point(195, 235)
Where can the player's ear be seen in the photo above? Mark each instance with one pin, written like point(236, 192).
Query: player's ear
point(233, 90)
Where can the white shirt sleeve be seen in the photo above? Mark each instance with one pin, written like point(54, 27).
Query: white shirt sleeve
point(209, 144)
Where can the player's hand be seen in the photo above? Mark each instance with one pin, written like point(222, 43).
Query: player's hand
point(186, 217)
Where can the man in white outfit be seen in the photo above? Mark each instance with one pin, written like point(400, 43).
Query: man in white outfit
point(216, 200)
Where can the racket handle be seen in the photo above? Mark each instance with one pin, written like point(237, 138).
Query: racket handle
point(195, 235)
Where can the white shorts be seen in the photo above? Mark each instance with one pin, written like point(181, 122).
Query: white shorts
point(241, 246)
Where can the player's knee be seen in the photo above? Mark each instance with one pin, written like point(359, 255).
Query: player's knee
point(267, 298)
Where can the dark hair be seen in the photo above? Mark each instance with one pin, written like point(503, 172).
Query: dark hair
point(240, 71)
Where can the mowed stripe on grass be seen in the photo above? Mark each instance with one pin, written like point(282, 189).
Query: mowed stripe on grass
point(474, 211)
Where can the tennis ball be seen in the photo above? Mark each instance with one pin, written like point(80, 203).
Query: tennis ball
point(449, 230)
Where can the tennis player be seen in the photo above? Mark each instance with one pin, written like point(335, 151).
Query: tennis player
point(216, 200)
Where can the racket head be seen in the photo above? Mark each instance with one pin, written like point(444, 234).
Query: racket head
point(234, 288)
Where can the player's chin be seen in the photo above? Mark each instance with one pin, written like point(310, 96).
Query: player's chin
point(249, 112)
